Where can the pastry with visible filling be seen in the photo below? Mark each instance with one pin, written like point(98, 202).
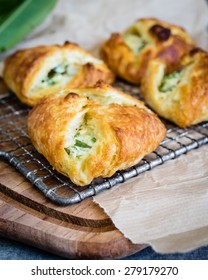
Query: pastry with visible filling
point(128, 54)
point(93, 132)
point(36, 72)
point(180, 96)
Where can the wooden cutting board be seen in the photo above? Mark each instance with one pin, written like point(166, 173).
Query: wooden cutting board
point(78, 231)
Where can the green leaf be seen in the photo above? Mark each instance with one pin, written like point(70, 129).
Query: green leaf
point(170, 81)
point(135, 43)
point(52, 74)
point(8, 5)
point(67, 150)
point(77, 134)
point(81, 144)
point(93, 139)
point(22, 20)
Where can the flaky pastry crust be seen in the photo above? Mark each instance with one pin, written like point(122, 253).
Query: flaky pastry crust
point(36, 72)
point(160, 39)
point(84, 134)
point(185, 102)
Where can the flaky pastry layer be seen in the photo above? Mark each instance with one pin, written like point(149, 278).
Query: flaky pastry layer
point(85, 134)
point(180, 96)
point(36, 72)
point(128, 54)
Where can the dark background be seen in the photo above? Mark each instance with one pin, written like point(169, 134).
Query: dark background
point(12, 250)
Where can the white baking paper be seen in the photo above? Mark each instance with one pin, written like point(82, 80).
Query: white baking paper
point(166, 203)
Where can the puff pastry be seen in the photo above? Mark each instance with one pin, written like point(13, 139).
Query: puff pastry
point(128, 54)
point(182, 95)
point(90, 133)
point(36, 72)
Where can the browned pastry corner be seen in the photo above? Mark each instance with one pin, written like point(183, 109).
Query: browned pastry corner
point(93, 132)
point(182, 95)
point(36, 72)
point(128, 54)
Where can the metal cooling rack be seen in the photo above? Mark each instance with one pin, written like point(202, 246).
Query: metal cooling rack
point(16, 148)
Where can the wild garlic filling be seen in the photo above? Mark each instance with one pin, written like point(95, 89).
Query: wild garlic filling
point(134, 42)
point(56, 74)
point(83, 142)
point(170, 81)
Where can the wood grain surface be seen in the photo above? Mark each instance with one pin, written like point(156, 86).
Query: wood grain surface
point(78, 231)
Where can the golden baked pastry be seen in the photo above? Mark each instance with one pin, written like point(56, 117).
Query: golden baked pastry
point(180, 96)
point(36, 72)
point(93, 132)
point(128, 54)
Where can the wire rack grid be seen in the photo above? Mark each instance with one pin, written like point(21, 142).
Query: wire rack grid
point(17, 150)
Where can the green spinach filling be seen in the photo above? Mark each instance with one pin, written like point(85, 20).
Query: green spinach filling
point(55, 74)
point(135, 43)
point(170, 81)
point(83, 142)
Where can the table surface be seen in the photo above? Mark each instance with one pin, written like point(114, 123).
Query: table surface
point(12, 250)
